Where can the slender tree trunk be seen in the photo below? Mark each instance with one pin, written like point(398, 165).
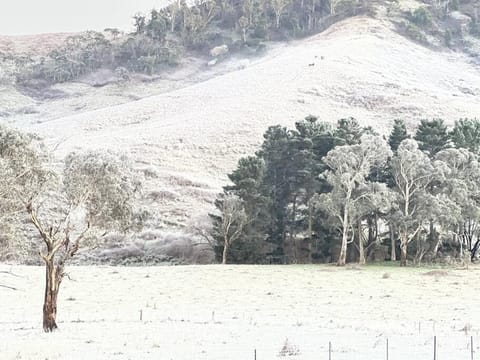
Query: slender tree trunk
point(361, 250)
point(343, 250)
point(310, 231)
point(342, 258)
point(393, 254)
point(293, 241)
point(434, 241)
point(172, 25)
point(403, 250)
point(53, 277)
point(225, 252)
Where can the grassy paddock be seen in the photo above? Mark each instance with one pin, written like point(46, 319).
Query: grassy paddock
point(226, 312)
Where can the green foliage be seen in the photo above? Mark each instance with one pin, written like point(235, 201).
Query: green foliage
point(278, 186)
point(162, 36)
point(432, 136)
point(308, 191)
point(398, 134)
point(22, 169)
point(351, 198)
point(103, 185)
point(348, 132)
point(421, 17)
point(247, 186)
point(466, 134)
point(415, 33)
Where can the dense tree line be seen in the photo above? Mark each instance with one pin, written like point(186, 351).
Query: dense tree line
point(322, 193)
point(163, 36)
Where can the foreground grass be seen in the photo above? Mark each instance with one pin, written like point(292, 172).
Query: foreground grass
point(225, 312)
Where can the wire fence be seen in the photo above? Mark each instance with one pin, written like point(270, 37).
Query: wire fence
point(431, 351)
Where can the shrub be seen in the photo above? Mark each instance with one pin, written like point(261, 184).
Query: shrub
point(260, 31)
point(414, 33)
point(421, 17)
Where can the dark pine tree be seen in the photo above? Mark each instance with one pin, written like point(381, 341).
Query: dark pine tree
point(466, 134)
point(398, 134)
point(247, 184)
point(432, 136)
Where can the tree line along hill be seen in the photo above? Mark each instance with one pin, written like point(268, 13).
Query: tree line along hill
point(214, 29)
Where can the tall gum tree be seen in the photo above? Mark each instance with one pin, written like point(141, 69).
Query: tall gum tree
point(461, 169)
point(95, 192)
point(349, 166)
point(412, 172)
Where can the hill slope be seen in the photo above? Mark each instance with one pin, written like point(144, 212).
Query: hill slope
point(188, 139)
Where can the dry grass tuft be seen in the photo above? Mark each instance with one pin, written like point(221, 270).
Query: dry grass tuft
point(436, 273)
point(289, 349)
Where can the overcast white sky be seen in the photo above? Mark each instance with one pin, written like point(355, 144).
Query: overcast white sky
point(23, 17)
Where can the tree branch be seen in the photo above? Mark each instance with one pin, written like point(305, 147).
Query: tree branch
point(8, 287)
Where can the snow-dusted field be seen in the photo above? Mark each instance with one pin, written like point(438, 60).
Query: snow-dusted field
point(226, 312)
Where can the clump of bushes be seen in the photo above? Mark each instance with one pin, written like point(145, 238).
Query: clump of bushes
point(421, 17)
point(415, 33)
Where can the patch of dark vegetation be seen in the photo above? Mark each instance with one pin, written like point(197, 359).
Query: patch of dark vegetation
point(440, 24)
point(39, 90)
point(211, 29)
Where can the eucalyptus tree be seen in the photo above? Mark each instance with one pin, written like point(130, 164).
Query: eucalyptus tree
point(95, 192)
point(412, 172)
point(232, 221)
point(349, 167)
point(461, 170)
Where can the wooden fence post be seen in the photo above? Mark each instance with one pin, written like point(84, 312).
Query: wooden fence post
point(471, 347)
point(387, 348)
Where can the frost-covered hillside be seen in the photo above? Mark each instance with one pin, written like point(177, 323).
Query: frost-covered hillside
point(188, 139)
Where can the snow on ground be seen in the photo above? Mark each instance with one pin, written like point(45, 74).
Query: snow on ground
point(192, 136)
point(226, 312)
